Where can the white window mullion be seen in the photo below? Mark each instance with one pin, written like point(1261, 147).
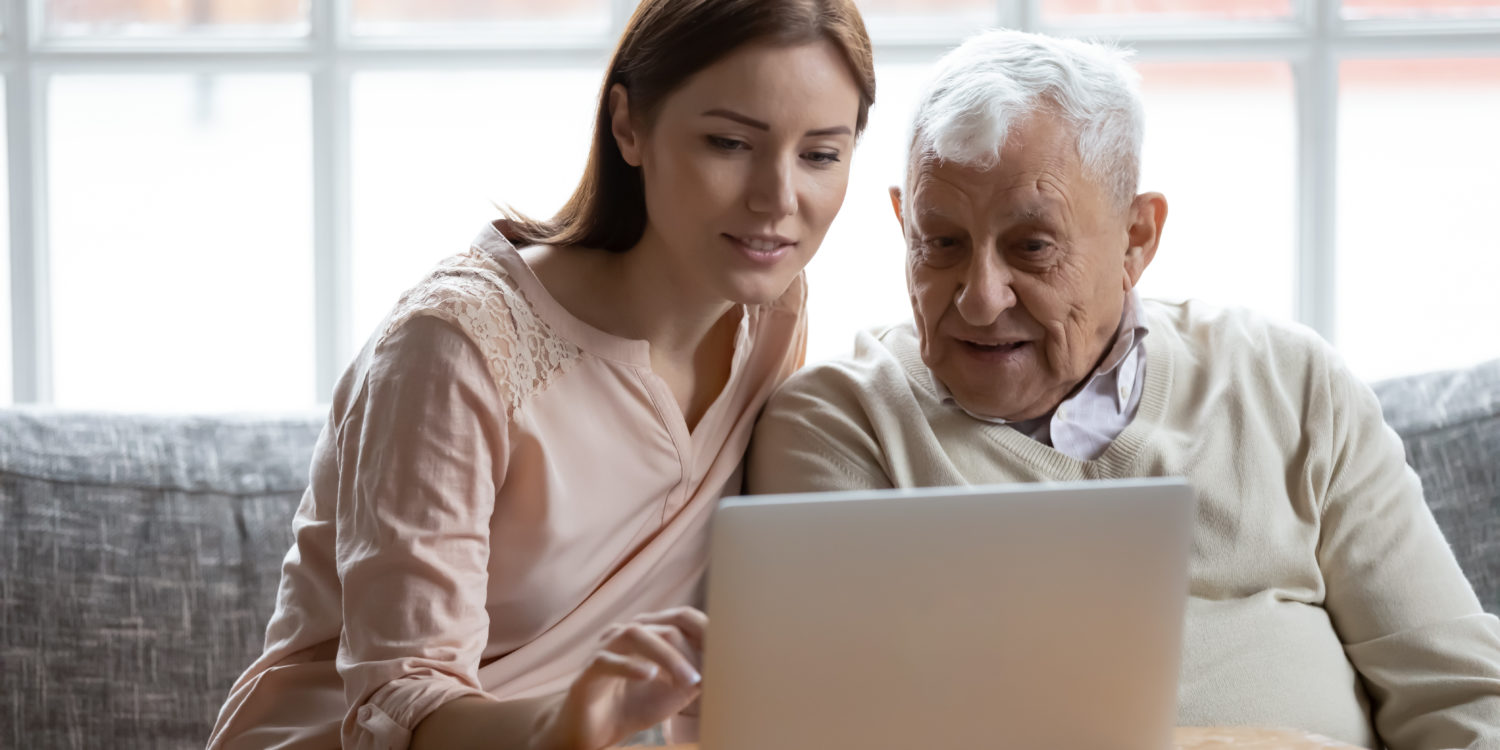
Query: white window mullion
point(332, 270)
point(619, 15)
point(26, 128)
point(1317, 164)
point(1021, 14)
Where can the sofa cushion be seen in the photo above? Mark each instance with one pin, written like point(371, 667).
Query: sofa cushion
point(142, 553)
point(142, 558)
point(1450, 423)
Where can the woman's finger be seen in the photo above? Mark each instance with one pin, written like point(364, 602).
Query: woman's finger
point(609, 663)
point(652, 642)
point(679, 640)
point(692, 622)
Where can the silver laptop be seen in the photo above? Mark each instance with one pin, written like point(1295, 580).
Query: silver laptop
point(1024, 616)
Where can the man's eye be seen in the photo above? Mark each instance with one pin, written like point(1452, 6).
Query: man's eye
point(1035, 247)
point(727, 144)
point(941, 250)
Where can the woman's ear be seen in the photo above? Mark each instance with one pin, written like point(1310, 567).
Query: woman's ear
point(896, 207)
point(622, 127)
point(1148, 214)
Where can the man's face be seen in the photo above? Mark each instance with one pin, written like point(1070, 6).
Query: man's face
point(1018, 273)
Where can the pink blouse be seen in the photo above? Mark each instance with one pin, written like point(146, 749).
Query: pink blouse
point(497, 483)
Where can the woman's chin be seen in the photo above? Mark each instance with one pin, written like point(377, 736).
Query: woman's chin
point(757, 289)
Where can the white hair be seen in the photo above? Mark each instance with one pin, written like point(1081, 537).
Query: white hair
point(997, 78)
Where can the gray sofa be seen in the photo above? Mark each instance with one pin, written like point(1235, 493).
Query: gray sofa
point(141, 553)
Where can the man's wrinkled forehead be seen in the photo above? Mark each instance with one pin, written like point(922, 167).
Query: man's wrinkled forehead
point(1036, 181)
point(954, 198)
point(922, 164)
point(1033, 180)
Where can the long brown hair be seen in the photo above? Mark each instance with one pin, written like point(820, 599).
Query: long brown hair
point(665, 43)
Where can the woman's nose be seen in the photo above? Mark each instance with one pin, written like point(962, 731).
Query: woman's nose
point(772, 191)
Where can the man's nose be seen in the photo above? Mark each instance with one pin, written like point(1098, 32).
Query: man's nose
point(772, 190)
point(986, 290)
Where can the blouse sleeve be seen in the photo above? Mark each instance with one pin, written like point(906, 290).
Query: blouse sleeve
point(423, 451)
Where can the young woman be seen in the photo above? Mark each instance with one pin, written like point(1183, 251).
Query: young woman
point(506, 518)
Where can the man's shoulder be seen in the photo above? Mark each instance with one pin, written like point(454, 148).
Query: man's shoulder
point(1237, 335)
point(878, 362)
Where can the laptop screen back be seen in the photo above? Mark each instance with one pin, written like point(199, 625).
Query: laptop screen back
point(1027, 616)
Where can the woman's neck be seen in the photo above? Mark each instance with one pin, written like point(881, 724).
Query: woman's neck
point(633, 295)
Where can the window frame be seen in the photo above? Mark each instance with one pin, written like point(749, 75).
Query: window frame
point(1313, 41)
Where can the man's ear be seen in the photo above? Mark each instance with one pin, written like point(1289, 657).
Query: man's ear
point(622, 127)
point(1148, 214)
point(896, 206)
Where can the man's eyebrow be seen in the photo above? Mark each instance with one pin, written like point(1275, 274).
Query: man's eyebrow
point(758, 125)
point(924, 215)
point(1038, 213)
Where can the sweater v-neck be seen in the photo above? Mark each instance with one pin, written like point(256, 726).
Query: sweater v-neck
point(1116, 460)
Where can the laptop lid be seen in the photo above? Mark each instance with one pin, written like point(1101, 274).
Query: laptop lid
point(1027, 616)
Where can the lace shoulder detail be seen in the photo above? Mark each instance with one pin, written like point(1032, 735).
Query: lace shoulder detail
point(473, 292)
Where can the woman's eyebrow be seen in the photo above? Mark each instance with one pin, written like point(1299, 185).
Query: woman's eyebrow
point(758, 125)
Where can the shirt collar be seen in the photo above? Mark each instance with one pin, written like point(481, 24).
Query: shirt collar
point(1121, 361)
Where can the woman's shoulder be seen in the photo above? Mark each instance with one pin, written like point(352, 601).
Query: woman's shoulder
point(475, 293)
point(460, 288)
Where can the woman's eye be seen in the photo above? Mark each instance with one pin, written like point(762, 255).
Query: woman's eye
point(1035, 247)
point(727, 144)
point(822, 157)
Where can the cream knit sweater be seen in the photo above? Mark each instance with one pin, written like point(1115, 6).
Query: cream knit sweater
point(1323, 595)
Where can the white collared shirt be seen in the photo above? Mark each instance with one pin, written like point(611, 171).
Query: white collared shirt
point(1086, 423)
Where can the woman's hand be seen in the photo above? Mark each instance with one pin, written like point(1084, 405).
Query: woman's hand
point(646, 670)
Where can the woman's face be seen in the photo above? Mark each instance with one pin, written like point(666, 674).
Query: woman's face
point(745, 166)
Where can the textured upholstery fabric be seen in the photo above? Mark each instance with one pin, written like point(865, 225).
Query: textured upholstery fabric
point(1450, 423)
point(139, 556)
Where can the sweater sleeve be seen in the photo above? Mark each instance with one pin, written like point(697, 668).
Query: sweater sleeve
point(417, 489)
point(811, 437)
point(1411, 625)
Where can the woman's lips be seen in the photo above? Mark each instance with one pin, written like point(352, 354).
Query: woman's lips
point(759, 250)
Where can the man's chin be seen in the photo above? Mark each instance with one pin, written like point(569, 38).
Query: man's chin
point(987, 408)
point(981, 404)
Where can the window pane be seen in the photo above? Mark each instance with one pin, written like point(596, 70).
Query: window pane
point(858, 278)
point(1159, 10)
point(433, 153)
point(1419, 180)
point(412, 207)
point(182, 270)
point(1424, 9)
point(900, 18)
point(479, 18)
point(7, 350)
point(1220, 144)
point(159, 18)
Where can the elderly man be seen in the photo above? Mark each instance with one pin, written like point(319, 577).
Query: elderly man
point(1324, 597)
